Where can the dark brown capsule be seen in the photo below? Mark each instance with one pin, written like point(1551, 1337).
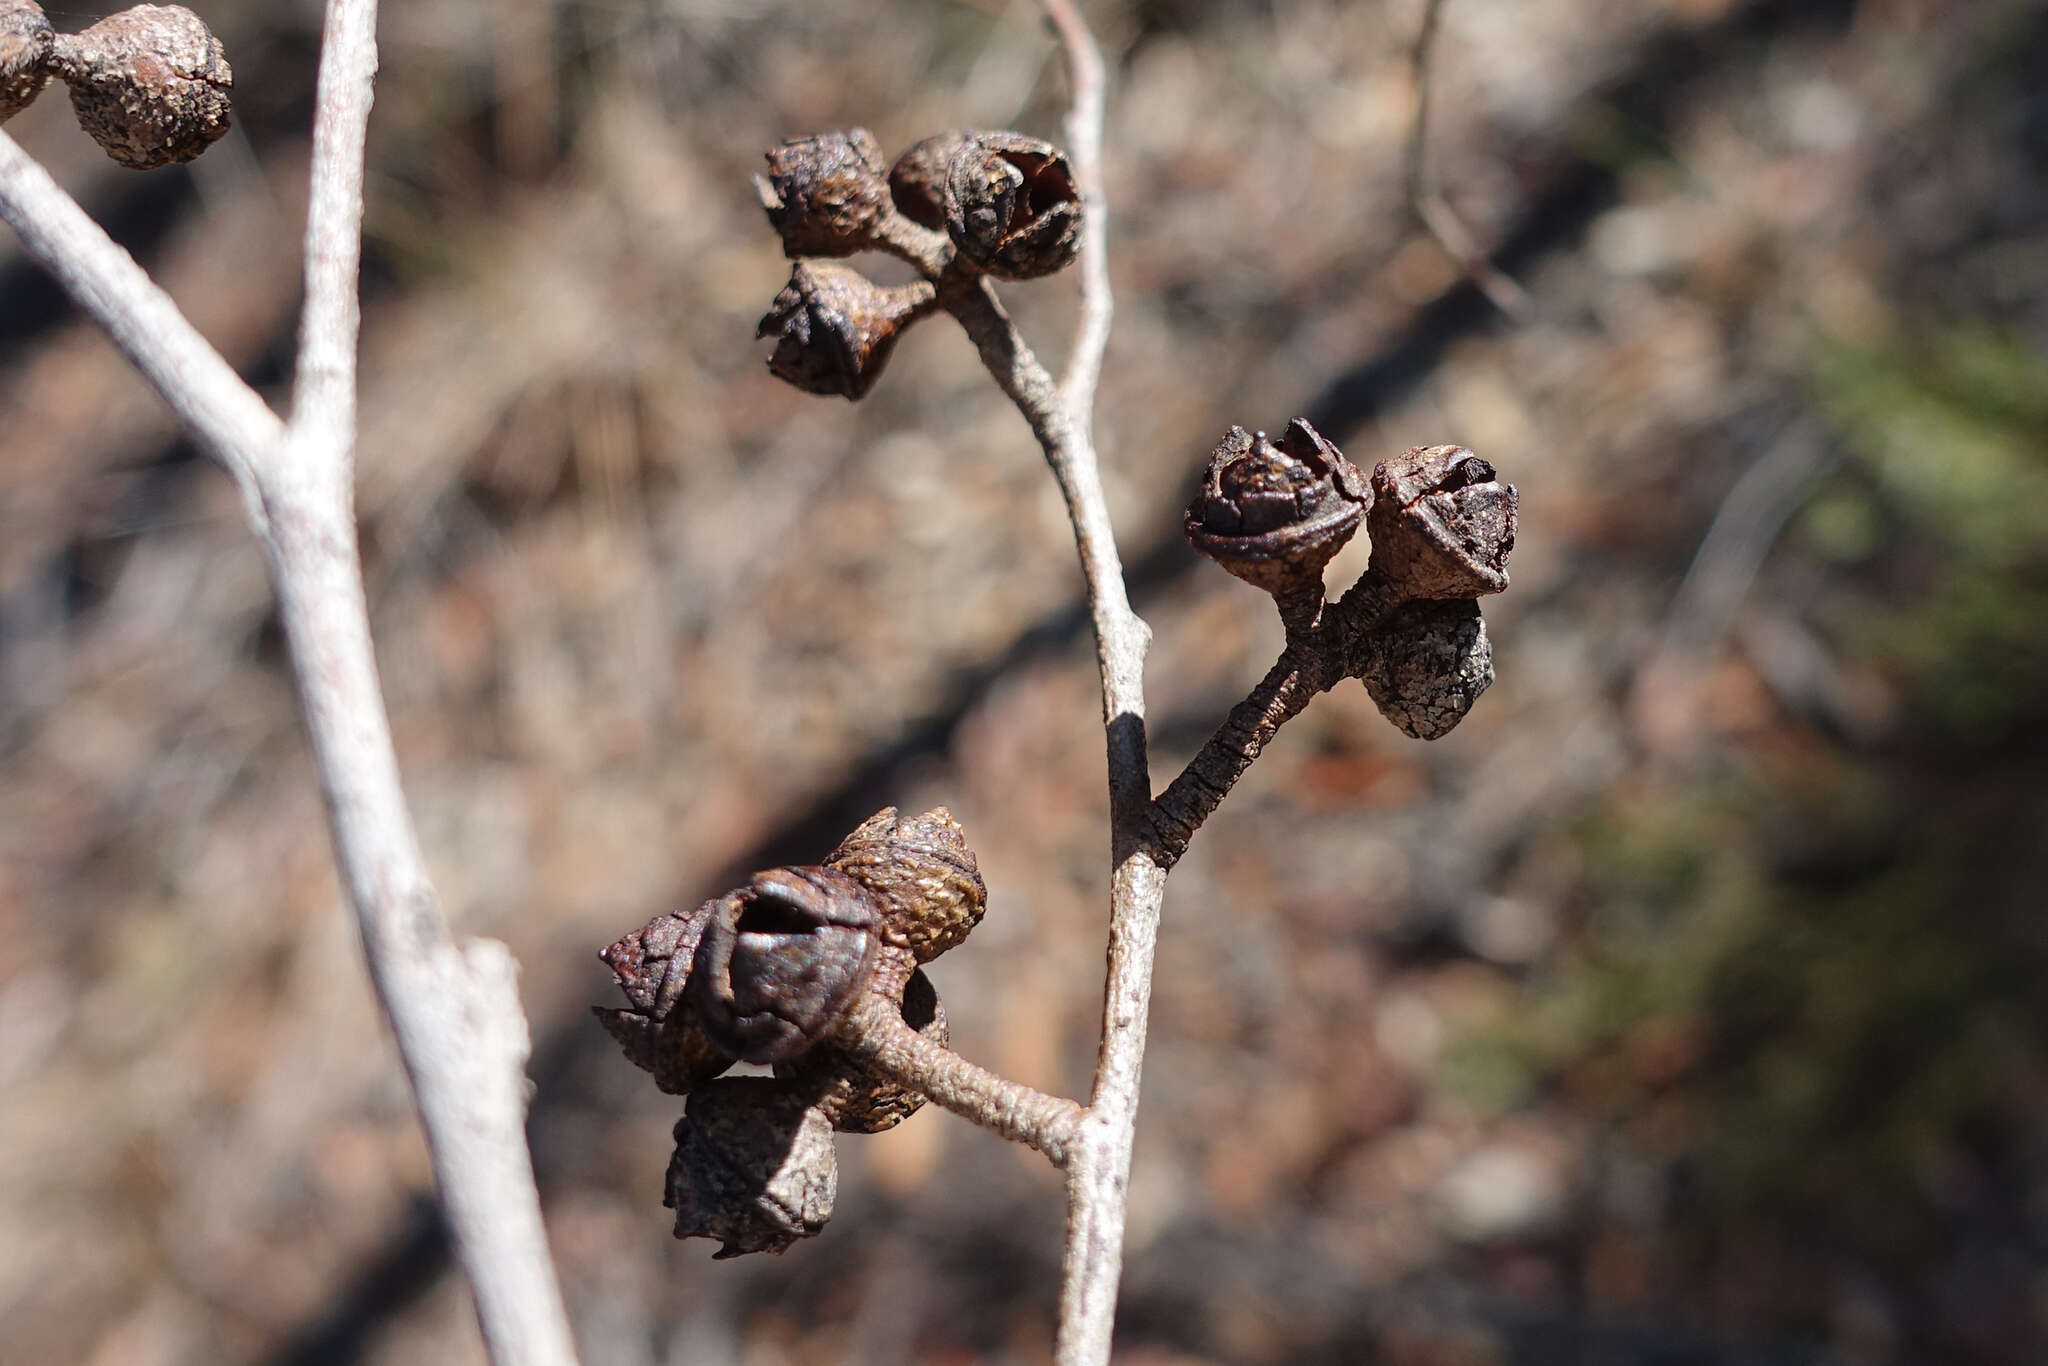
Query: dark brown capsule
point(917, 182)
point(754, 1167)
point(150, 84)
point(924, 877)
point(659, 1030)
point(1011, 207)
point(835, 329)
point(824, 194)
point(1274, 513)
point(781, 960)
point(1426, 663)
point(1442, 523)
point(25, 40)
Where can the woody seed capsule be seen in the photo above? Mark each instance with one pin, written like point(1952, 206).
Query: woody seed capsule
point(917, 182)
point(1441, 523)
point(923, 875)
point(781, 961)
point(823, 194)
point(660, 1030)
point(1275, 512)
point(150, 84)
point(835, 329)
point(853, 1096)
point(1426, 664)
point(753, 1167)
point(1010, 205)
point(24, 55)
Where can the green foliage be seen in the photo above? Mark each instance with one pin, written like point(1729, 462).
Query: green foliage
point(1949, 448)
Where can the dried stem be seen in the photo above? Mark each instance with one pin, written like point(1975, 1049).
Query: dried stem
point(325, 392)
point(876, 1034)
point(204, 390)
point(1098, 1154)
point(1083, 127)
point(1099, 1159)
point(1289, 686)
point(454, 1008)
point(1317, 658)
point(923, 247)
point(1099, 1164)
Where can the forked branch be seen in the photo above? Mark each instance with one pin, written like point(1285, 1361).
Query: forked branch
point(454, 1008)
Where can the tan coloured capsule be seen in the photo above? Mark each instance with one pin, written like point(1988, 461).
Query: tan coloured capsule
point(1427, 663)
point(1274, 513)
point(922, 874)
point(1441, 523)
point(917, 182)
point(659, 1030)
point(834, 328)
point(782, 960)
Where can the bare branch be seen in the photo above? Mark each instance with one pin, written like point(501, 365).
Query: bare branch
point(1083, 126)
point(1099, 1163)
point(876, 1034)
point(1120, 637)
point(1288, 687)
point(454, 1009)
point(1098, 1159)
point(325, 392)
point(204, 390)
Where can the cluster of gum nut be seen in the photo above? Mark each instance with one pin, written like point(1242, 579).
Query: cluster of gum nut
point(772, 973)
point(1006, 204)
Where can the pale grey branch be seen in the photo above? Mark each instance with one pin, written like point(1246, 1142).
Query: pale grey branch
point(1099, 1163)
point(454, 1008)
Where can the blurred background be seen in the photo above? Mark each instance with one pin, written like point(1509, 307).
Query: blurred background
point(1684, 1006)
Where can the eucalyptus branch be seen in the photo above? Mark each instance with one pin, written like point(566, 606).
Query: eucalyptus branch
point(876, 1034)
point(1192, 797)
point(1083, 127)
point(230, 420)
point(454, 1008)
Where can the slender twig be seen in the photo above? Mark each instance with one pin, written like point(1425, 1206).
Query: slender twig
point(202, 389)
point(1099, 1164)
point(1426, 203)
point(1289, 686)
point(876, 1033)
point(454, 1008)
point(1061, 415)
point(1120, 636)
point(325, 392)
point(1317, 658)
point(923, 247)
point(1083, 127)
point(1099, 1159)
